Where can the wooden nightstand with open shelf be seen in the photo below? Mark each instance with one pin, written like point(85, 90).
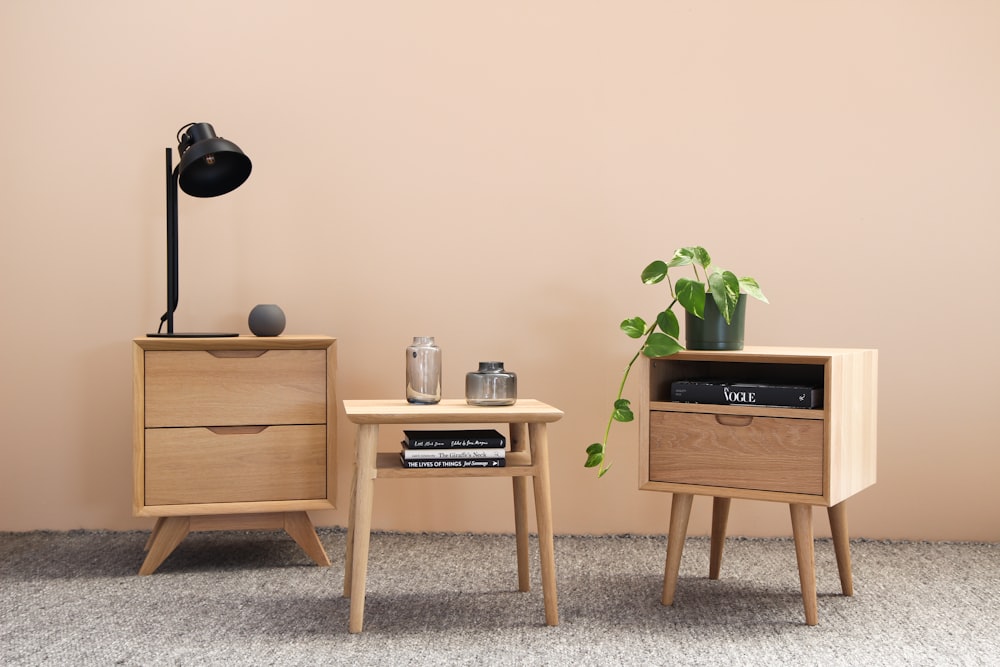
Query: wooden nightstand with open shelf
point(803, 457)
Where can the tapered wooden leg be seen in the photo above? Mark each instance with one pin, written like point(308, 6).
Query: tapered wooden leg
point(364, 491)
point(543, 515)
point(805, 555)
point(349, 557)
point(720, 519)
point(842, 545)
point(300, 527)
point(519, 443)
point(169, 533)
point(680, 512)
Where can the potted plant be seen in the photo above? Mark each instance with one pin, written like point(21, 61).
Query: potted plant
point(715, 323)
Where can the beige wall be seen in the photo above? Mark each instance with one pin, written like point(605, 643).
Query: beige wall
point(496, 174)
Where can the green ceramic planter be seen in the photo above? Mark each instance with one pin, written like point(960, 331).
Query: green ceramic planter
point(712, 333)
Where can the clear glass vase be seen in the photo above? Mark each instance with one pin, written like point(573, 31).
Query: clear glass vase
point(423, 371)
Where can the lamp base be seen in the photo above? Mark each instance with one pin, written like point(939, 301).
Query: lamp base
point(192, 335)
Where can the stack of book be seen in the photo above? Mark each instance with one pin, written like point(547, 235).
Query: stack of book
point(465, 448)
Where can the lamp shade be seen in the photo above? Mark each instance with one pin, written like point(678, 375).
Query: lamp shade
point(210, 165)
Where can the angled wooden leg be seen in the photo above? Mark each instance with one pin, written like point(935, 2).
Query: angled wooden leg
point(169, 533)
point(805, 555)
point(720, 519)
point(680, 512)
point(300, 527)
point(364, 491)
point(543, 516)
point(842, 545)
point(153, 533)
point(519, 443)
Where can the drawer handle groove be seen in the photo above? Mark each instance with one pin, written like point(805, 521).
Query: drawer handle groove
point(236, 430)
point(734, 420)
point(237, 354)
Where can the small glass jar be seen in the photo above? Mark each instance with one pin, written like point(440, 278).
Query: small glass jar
point(423, 371)
point(491, 385)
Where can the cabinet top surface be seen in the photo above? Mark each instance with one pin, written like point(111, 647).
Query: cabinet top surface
point(449, 410)
point(291, 342)
point(754, 352)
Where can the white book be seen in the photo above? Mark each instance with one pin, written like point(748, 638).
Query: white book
point(453, 453)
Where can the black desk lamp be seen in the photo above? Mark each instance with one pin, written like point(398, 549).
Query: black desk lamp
point(210, 166)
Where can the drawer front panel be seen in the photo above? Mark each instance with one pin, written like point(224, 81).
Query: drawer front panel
point(199, 388)
point(762, 453)
point(199, 465)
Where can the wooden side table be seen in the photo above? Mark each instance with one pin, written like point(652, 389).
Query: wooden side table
point(803, 457)
point(528, 457)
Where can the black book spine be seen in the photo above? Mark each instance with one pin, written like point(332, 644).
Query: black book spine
point(735, 393)
point(454, 439)
point(453, 463)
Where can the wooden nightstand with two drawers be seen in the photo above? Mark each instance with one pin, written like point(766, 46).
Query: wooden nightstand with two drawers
point(233, 434)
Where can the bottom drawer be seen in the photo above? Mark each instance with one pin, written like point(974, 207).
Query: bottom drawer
point(227, 465)
point(735, 451)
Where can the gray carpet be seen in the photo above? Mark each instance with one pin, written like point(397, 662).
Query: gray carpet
point(73, 598)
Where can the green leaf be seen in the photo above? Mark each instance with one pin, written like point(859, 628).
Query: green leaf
point(750, 286)
point(701, 256)
point(683, 257)
point(596, 448)
point(691, 295)
point(654, 273)
point(668, 323)
point(634, 327)
point(661, 345)
point(725, 288)
point(594, 459)
point(603, 471)
point(622, 411)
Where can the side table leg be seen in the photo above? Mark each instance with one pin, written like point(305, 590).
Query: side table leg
point(543, 511)
point(349, 557)
point(720, 519)
point(842, 545)
point(519, 443)
point(804, 553)
point(361, 520)
point(680, 512)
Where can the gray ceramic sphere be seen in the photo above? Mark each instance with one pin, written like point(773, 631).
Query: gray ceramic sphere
point(266, 319)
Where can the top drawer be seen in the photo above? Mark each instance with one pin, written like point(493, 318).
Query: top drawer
point(234, 387)
point(736, 451)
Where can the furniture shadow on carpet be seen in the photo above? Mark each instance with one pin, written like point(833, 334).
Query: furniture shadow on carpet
point(225, 551)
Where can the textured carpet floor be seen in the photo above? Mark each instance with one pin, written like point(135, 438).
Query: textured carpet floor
point(73, 598)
